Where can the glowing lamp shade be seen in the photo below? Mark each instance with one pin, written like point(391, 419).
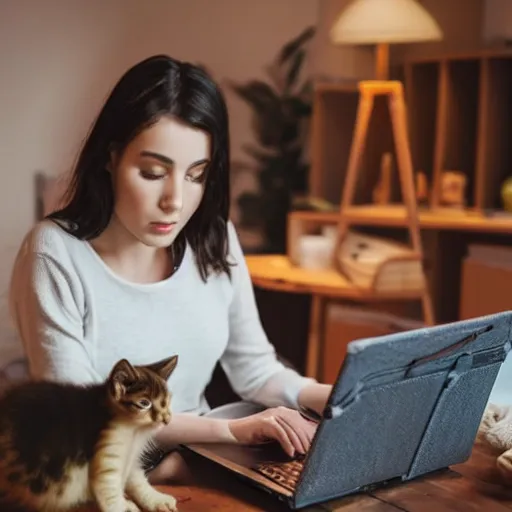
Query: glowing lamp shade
point(382, 22)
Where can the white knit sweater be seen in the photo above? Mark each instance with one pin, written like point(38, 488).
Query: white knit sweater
point(76, 318)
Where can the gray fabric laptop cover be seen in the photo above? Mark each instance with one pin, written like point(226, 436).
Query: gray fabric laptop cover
point(404, 404)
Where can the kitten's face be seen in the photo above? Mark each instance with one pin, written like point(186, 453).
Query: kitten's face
point(139, 394)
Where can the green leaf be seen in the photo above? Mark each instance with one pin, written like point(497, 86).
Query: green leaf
point(289, 133)
point(273, 176)
point(297, 108)
point(294, 70)
point(306, 90)
point(298, 181)
point(257, 94)
point(290, 48)
point(269, 125)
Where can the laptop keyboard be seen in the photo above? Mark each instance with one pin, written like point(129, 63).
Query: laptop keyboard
point(284, 473)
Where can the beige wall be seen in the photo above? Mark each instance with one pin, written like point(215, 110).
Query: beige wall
point(497, 20)
point(59, 58)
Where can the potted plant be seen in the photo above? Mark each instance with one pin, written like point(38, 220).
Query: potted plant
point(281, 110)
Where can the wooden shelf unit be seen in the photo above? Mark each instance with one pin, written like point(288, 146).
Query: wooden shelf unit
point(332, 127)
point(460, 118)
point(333, 122)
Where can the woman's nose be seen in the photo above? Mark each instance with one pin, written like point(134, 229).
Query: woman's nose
point(172, 197)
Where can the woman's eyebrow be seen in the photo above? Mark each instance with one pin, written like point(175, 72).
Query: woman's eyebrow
point(169, 161)
point(165, 159)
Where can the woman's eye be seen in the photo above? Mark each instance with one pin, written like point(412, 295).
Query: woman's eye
point(151, 175)
point(197, 177)
point(144, 403)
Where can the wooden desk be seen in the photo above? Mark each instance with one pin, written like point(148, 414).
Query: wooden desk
point(473, 486)
point(276, 272)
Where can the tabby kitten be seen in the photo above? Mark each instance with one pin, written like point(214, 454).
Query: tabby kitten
point(62, 445)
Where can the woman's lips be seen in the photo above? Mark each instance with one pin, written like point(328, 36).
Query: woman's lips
point(162, 228)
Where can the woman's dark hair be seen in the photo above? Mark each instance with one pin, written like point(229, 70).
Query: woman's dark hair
point(156, 87)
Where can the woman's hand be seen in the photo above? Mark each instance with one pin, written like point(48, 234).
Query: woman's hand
point(287, 426)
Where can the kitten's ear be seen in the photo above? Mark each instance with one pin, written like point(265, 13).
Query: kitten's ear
point(121, 376)
point(165, 367)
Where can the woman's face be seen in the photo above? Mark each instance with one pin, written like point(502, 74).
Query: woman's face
point(159, 181)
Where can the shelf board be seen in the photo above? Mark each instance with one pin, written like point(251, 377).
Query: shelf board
point(395, 216)
point(482, 53)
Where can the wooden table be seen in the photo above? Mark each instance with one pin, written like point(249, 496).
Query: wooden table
point(472, 486)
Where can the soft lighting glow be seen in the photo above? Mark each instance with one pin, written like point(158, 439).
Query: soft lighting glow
point(384, 21)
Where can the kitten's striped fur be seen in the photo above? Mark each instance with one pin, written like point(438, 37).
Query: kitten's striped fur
point(62, 445)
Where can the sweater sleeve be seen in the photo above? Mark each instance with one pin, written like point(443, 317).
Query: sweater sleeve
point(44, 304)
point(250, 360)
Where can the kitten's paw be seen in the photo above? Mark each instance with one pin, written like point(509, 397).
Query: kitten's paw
point(129, 506)
point(120, 506)
point(163, 503)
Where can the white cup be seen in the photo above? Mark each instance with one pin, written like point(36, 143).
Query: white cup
point(315, 252)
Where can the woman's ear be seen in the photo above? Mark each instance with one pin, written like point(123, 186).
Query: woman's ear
point(113, 160)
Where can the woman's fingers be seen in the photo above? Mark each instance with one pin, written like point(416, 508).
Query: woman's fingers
point(292, 434)
point(302, 430)
point(281, 435)
point(299, 430)
point(287, 426)
point(308, 428)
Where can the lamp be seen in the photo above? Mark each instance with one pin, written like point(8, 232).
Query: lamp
point(382, 22)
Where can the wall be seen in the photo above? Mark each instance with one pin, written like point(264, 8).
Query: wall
point(497, 15)
point(461, 23)
point(337, 62)
point(59, 59)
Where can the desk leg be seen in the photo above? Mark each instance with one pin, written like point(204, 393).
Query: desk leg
point(315, 336)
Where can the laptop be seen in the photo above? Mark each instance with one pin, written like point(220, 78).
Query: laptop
point(403, 405)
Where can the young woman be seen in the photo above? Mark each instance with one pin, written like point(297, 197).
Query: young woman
point(143, 263)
